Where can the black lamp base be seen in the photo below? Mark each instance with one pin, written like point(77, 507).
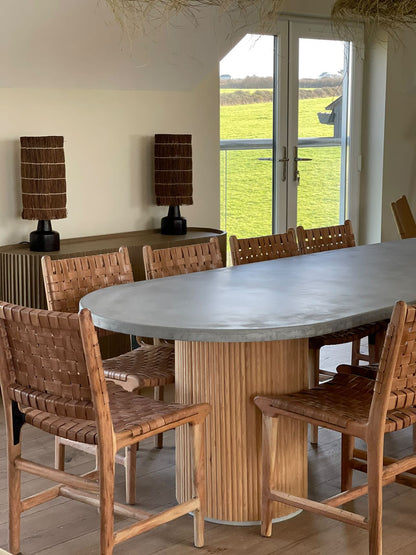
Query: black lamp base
point(173, 223)
point(44, 239)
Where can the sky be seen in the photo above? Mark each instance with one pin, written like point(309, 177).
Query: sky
point(253, 55)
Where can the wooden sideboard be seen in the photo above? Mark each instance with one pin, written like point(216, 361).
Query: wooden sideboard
point(20, 269)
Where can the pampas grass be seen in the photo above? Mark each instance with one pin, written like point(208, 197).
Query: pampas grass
point(388, 14)
point(140, 12)
point(391, 15)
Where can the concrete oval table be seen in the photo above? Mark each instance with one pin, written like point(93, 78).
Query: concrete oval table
point(243, 331)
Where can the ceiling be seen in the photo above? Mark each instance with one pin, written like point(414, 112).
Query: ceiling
point(79, 44)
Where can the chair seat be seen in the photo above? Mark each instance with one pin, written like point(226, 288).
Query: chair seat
point(147, 366)
point(132, 415)
point(346, 336)
point(342, 404)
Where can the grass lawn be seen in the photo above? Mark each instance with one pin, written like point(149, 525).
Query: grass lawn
point(246, 182)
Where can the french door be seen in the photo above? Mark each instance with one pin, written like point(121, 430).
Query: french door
point(295, 159)
point(316, 148)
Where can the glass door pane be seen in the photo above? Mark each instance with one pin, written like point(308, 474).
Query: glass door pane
point(320, 150)
point(246, 131)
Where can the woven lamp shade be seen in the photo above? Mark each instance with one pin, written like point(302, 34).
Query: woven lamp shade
point(43, 178)
point(173, 169)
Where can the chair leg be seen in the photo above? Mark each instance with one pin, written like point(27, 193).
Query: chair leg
point(59, 454)
point(106, 462)
point(197, 432)
point(14, 498)
point(159, 394)
point(414, 438)
point(347, 448)
point(269, 444)
point(130, 467)
point(377, 343)
point(375, 346)
point(313, 378)
point(355, 352)
point(375, 495)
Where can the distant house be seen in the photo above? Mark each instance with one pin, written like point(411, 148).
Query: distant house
point(333, 116)
point(226, 76)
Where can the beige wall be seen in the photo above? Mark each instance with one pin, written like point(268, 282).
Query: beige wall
point(62, 64)
point(372, 146)
point(108, 149)
point(399, 168)
point(389, 134)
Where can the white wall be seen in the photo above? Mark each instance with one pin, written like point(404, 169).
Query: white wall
point(108, 149)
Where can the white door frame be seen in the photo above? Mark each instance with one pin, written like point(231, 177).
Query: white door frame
point(288, 32)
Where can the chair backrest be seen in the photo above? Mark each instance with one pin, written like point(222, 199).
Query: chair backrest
point(403, 216)
point(68, 279)
point(395, 385)
point(43, 364)
point(325, 238)
point(266, 247)
point(182, 260)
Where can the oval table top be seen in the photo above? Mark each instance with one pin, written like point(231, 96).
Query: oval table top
point(290, 298)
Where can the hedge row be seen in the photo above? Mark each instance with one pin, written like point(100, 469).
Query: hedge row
point(254, 82)
point(239, 97)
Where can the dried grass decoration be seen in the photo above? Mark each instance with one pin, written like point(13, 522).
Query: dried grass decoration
point(388, 14)
point(138, 12)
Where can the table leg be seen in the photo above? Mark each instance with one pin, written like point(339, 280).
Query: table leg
point(228, 376)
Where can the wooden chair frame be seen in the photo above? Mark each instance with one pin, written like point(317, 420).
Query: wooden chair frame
point(185, 259)
point(359, 408)
point(66, 281)
point(327, 239)
point(320, 239)
point(78, 404)
point(266, 247)
point(403, 217)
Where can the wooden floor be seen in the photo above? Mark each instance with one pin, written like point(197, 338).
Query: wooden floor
point(65, 527)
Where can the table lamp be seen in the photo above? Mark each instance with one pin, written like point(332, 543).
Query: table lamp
point(43, 188)
point(173, 179)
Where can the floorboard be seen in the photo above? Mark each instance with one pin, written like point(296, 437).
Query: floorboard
point(65, 527)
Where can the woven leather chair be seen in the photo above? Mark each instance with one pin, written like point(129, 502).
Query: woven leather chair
point(404, 218)
point(322, 239)
point(266, 247)
point(356, 407)
point(52, 378)
point(186, 259)
point(327, 239)
point(66, 281)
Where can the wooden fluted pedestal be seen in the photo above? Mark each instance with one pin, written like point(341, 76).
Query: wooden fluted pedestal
point(228, 376)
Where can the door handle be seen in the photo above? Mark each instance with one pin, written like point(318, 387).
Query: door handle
point(296, 159)
point(285, 160)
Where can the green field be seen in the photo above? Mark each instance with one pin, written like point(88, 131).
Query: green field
point(246, 181)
